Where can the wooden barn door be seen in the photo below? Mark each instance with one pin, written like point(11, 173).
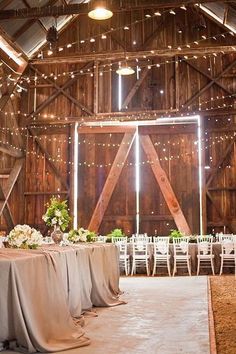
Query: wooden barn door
point(106, 179)
point(169, 179)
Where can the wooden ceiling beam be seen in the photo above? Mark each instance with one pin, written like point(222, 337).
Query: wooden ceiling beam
point(30, 22)
point(105, 56)
point(75, 9)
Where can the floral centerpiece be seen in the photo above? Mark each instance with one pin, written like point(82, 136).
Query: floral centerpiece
point(80, 235)
point(23, 236)
point(57, 214)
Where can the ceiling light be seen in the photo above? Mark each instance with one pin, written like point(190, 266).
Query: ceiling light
point(99, 10)
point(125, 70)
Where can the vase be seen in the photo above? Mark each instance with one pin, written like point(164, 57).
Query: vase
point(57, 234)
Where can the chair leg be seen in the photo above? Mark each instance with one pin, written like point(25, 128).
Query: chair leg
point(133, 267)
point(126, 268)
point(189, 267)
point(147, 267)
point(154, 267)
point(168, 267)
point(221, 265)
point(174, 270)
point(198, 265)
point(212, 266)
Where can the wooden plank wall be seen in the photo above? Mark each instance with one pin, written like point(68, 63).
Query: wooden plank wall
point(178, 82)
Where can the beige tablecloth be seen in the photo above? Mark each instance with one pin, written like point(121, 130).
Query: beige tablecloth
point(43, 291)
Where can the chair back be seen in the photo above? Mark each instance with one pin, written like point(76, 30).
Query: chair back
point(141, 238)
point(119, 239)
point(140, 248)
point(123, 247)
point(100, 239)
point(223, 237)
point(228, 245)
point(161, 245)
point(181, 246)
point(204, 245)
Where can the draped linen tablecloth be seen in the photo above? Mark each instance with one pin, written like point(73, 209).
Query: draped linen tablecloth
point(43, 291)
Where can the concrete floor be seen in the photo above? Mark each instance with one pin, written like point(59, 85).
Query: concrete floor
point(163, 316)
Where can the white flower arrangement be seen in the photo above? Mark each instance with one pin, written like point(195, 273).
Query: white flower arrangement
point(79, 235)
point(23, 236)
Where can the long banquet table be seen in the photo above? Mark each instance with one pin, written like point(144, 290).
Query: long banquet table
point(44, 292)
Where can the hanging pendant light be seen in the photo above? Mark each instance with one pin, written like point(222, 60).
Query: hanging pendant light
point(99, 10)
point(125, 70)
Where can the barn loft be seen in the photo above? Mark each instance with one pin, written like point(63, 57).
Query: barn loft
point(120, 114)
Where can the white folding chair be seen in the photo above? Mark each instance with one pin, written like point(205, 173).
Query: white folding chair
point(205, 253)
point(124, 256)
point(228, 251)
point(140, 238)
point(140, 255)
point(182, 259)
point(119, 239)
point(101, 239)
point(161, 253)
point(221, 235)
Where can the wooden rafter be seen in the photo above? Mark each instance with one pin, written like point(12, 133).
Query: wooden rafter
point(207, 86)
point(116, 55)
point(135, 88)
point(111, 181)
point(165, 185)
point(30, 22)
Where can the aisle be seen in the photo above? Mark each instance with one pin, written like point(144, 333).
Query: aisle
point(164, 316)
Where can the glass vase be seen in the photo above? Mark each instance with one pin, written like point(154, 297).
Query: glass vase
point(57, 234)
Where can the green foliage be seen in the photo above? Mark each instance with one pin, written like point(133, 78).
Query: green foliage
point(116, 233)
point(175, 234)
point(57, 213)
